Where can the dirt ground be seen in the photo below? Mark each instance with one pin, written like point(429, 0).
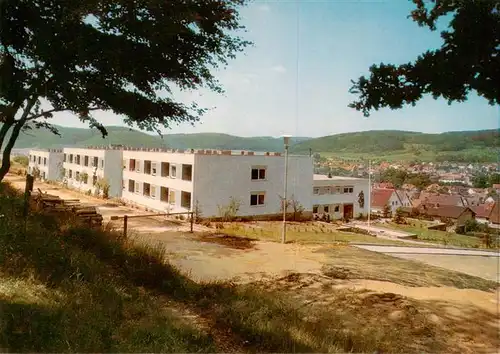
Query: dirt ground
point(298, 268)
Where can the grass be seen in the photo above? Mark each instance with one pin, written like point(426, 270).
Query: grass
point(436, 236)
point(67, 288)
point(355, 263)
point(304, 232)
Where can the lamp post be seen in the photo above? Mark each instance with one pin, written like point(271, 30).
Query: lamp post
point(286, 139)
point(369, 191)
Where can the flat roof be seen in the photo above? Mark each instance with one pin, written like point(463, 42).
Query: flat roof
point(337, 178)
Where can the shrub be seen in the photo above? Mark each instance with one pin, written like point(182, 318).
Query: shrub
point(230, 211)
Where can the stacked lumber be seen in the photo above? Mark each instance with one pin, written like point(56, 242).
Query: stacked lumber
point(54, 205)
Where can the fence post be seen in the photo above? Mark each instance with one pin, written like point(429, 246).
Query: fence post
point(125, 222)
point(192, 221)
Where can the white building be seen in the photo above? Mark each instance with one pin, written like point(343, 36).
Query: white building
point(48, 162)
point(340, 196)
point(85, 167)
point(176, 181)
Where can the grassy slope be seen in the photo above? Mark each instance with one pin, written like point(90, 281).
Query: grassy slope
point(402, 145)
point(66, 288)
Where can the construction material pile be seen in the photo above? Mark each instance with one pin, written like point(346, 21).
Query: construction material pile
point(54, 205)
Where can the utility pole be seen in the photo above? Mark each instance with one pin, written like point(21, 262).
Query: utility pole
point(285, 202)
point(369, 191)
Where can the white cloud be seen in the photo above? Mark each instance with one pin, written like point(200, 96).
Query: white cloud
point(279, 69)
point(264, 8)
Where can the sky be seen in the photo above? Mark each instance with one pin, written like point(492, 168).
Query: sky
point(295, 78)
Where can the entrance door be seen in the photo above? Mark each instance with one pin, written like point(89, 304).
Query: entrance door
point(348, 211)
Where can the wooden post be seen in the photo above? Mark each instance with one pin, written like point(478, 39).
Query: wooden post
point(27, 193)
point(192, 221)
point(125, 221)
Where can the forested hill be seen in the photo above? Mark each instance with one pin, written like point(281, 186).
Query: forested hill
point(479, 145)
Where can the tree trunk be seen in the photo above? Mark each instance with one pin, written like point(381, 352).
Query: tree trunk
point(3, 132)
point(8, 148)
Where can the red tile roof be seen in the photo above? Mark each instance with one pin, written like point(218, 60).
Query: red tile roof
point(483, 210)
point(495, 214)
point(380, 197)
point(442, 199)
point(446, 211)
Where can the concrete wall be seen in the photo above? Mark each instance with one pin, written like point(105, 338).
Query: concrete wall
point(174, 184)
point(330, 192)
point(51, 163)
point(109, 167)
point(217, 178)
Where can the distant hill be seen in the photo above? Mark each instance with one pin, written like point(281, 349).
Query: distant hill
point(43, 138)
point(467, 146)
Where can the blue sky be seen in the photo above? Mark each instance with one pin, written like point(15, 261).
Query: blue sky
point(295, 79)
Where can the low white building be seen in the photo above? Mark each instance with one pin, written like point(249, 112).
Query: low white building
point(207, 180)
point(48, 163)
point(88, 168)
point(340, 197)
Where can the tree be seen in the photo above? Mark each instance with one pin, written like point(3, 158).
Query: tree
point(386, 211)
point(294, 204)
point(22, 160)
point(468, 60)
point(126, 56)
point(399, 216)
point(361, 199)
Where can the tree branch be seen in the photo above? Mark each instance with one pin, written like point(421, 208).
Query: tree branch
point(55, 110)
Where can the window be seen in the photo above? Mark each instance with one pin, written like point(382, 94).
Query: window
point(136, 188)
point(152, 193)
point(348, 189)
point(102, 164)
point(173, 171)
point(147, 167)
point(146, 189)
point(186, 200)
point(338, 190)
point(137, 166)
point(94, 180)
point(86, 161)
point(257, 199)
point(187, 171)
point(70, 158)
point(315, 209)
point(70, 174)
point(77, 159)
point(131, 185)
point(131, 165)
point(258, 174)
point(326, 208)
point(165, 169)
point(327, 190)
point(64, 158)
point(153, 169)
point(316, 190)
point(171, 197)
point(77, 175)
point(39, 160)
point(43, 175)
point(336, 209)
point(45, 161)
point(164, 194)
point(95, 161)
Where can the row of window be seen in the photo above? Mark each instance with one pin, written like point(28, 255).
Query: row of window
point(333, 190)
point(82, 177)
point(326, 209)
point(84, 160)
point(166, 195)
point(38, 159)
point(166, 169)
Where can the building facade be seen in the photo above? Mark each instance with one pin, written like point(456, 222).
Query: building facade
point(340, 197)
point(88, 169)
point(207, 180)
point(47, 163)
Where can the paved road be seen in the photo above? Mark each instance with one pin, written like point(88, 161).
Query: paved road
point(428, 250)
point(478, 263)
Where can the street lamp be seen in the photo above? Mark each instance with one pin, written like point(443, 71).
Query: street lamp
point(286, 140)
